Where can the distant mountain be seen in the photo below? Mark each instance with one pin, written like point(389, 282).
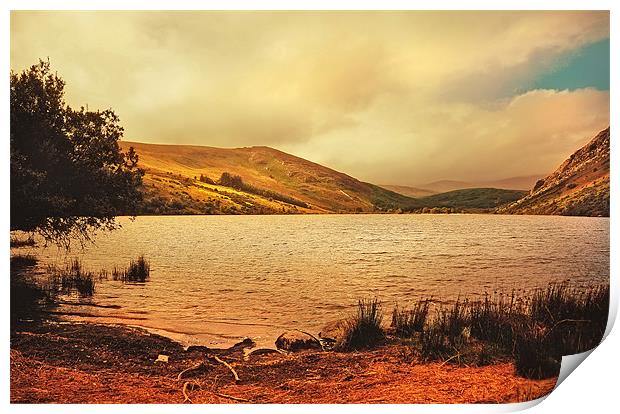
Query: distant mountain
point(445, 185)
point(408, 191)
point(524, 182)
point(579, 187)
point(513, 183)
point(183, 179)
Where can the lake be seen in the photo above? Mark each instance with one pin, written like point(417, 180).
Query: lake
point(217, 279)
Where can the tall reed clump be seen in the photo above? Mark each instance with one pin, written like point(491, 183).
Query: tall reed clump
point(444, 336)
point(363, 330)
point(406, 322)
point(536, 331)
point(564, 320)
point(139, 270)
point(73, 278)
point(496, 319)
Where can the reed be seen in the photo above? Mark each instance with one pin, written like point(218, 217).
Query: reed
point(139, 270)
point(535, 331)
point(406, 322)
point(73, 278)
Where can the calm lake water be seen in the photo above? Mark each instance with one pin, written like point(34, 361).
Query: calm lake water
point(217, 279)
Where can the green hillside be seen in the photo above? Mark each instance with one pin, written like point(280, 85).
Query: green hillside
point(469, 199)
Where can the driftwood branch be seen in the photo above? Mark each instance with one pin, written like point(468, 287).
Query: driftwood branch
point(186, 387)
point(237, 380)
point(230, 397)
point(262, 351)
point(449, 359)
point(192, 368)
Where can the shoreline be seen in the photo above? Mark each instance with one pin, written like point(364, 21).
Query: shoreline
point(73, 362)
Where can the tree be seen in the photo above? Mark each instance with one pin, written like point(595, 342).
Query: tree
point(229, 180)
point(69, 176)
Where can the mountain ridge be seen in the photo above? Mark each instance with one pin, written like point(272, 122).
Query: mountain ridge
point(189, 174)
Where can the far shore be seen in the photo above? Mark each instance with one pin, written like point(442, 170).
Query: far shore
point(54, 362)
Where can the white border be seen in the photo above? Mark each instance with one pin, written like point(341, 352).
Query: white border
point(592, 388)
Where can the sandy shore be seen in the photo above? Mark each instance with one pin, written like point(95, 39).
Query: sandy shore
point(91, 363)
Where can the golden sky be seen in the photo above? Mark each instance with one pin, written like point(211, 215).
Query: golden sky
point(388, 97)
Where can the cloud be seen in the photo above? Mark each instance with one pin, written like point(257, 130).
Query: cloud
point(528, 134)
point(387, 96)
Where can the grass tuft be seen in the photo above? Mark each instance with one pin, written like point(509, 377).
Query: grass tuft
point(407, 322)
point(139, 270)
point(363, 330)
point(73, 278)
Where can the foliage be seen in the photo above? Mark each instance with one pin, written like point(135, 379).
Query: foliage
point(69, 177)
point(468, 199)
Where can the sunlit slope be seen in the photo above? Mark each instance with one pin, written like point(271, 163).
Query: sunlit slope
point(580, 186)
point(174, 171)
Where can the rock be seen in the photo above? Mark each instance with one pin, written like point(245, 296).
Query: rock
point(296, 341)
point(334, 331)
point(162, 358)
point(262, 351)
point(197, 348)
point(239, 346)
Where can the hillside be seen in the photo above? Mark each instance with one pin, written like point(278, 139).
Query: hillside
point(271, 181)
point(579, 187)
point(472, 199)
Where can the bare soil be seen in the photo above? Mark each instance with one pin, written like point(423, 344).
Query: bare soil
point(91, 363)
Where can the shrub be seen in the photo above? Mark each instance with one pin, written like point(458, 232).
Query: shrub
point(452, 322)
point(434, 344)
point(363, 330)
